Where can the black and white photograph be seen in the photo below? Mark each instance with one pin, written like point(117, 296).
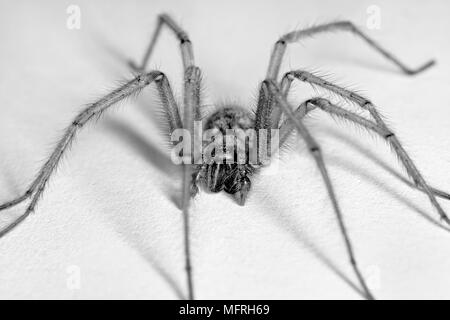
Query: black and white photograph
point(224, 151)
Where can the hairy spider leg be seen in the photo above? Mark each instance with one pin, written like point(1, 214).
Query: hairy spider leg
point(93, 110)
point(316, 152)
point(297, 35)
point(191, 113)
point(287, 128)
point(390, 137)
point(185, 44)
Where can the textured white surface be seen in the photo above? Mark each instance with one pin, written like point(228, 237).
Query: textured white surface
point(109, 210)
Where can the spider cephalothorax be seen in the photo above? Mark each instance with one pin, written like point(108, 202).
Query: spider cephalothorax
point(228, 172)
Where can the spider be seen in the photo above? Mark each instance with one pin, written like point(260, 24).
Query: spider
point(272, 112)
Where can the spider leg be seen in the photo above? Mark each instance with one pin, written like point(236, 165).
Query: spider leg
point(367, 105)
point(133, 87)
point(294, 36)
point(95, 109)
point(20, 199)
point(185, 44)
point(287, 127)
point(280, 47)
point(316, 153)
point(192, 79)
point(170, 109)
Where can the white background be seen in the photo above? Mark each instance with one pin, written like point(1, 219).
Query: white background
point(110, 212)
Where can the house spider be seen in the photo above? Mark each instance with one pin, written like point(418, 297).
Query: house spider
point(272, 112)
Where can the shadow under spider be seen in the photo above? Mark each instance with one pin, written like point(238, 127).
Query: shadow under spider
point(136, 241)
point(145, 148)
point(354, 169)
point(286, 224)
point(162, 162)
point(13, 185)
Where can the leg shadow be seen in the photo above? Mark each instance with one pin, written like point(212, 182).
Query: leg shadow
point(287, 223)
point(147, 150)
point(152, 154)
point(354, 169)
point(163, 163)
point(136, 241)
